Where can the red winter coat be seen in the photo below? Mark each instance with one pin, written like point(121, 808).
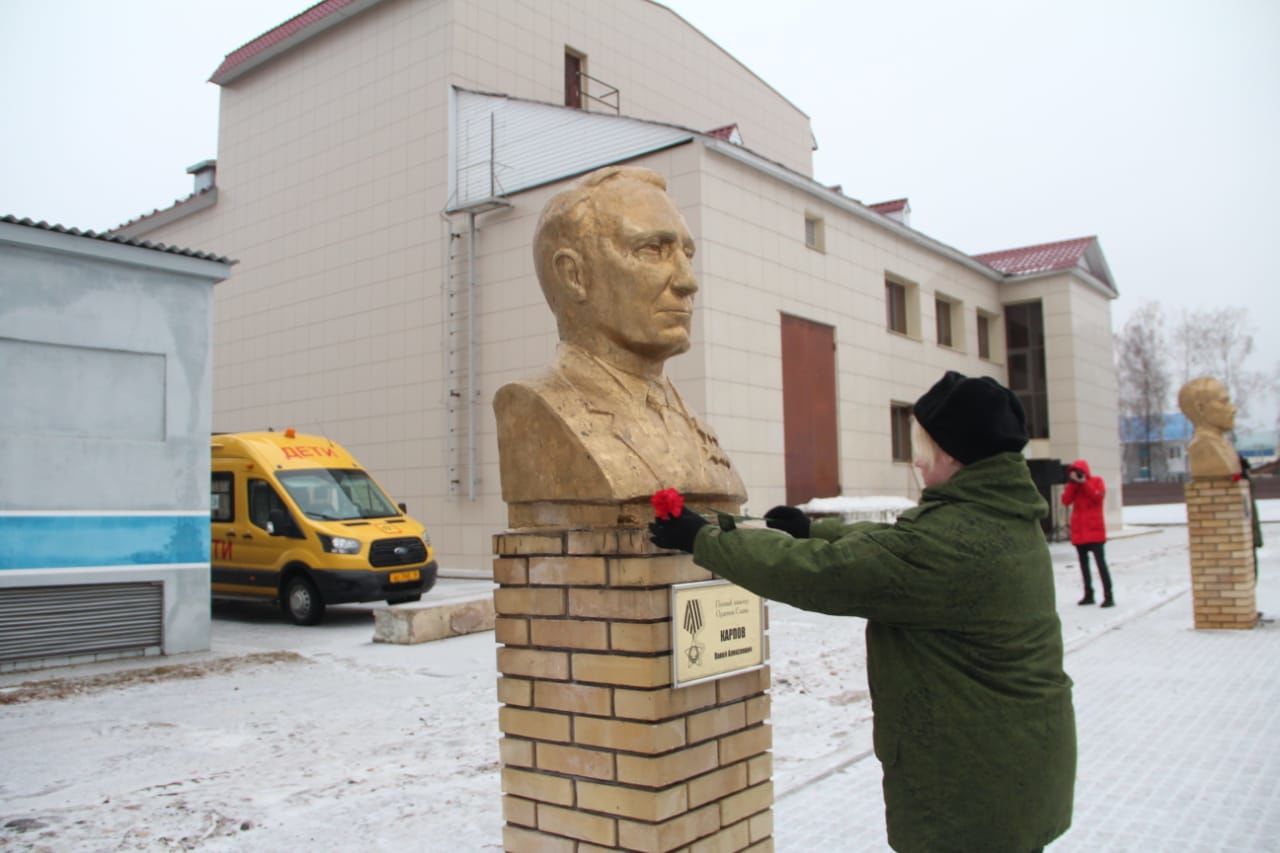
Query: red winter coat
point(1085, 499)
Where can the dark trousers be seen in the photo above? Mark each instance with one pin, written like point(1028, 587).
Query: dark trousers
point(1098, 551)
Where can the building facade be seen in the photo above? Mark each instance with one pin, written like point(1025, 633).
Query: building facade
point(105, 378)
point(380, 169)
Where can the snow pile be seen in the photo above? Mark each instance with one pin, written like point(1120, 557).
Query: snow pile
point(864, 508)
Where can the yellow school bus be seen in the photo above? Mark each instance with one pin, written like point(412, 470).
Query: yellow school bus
point(295, 519)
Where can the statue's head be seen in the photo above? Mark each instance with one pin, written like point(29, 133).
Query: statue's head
point(614, 259)
point(1205, 402)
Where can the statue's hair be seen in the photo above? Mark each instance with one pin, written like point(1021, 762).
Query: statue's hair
point(569, 216)
point(1196, 392)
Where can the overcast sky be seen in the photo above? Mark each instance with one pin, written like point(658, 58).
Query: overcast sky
point(1154, 124)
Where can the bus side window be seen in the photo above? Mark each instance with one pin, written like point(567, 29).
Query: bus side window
point(261, 498)
point(222, 497)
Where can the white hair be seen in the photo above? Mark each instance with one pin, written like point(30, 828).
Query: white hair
point(923, 448)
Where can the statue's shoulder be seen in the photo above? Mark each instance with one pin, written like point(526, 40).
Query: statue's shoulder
point(546, 391)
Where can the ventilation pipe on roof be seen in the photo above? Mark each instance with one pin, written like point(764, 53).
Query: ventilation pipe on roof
point(204, 173)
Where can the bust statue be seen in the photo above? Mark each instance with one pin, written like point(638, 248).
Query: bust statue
point(604, 424)
point(1206, 404)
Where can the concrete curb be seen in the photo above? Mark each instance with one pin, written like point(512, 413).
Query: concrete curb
point(423, 623)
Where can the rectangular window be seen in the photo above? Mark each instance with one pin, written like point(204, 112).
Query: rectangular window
point(900, 430)
point(813, 236)
point(1024, 350)
point(942, 312)
point(222, 498)
point(895, 296)
point(984, 336)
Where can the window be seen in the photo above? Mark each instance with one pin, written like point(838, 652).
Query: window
point(895, 296)
point(222, 498)
point(942, 313)
point(900, 431)
point(813, 233)
point(263, 501)
point(1024, 348)
point(574, 67)
point(902, 306)
point(984, 336)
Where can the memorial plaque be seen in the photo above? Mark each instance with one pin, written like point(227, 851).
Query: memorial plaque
point(717, 629)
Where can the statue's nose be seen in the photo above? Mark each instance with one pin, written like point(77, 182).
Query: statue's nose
point(683, 282)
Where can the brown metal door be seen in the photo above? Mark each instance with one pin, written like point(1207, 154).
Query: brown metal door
point(809, 409)
point(572, 80)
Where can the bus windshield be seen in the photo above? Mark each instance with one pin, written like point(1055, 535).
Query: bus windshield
point(336, 494)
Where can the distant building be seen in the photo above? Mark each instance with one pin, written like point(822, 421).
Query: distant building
point(1163, 456)
point(380, 169)
point(105, 383)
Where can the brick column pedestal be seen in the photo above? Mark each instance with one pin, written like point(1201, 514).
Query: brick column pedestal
point(599, 751)
point(1223, 578)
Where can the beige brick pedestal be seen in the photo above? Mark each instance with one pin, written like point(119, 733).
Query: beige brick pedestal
point(1223, 579)
point(598, 750)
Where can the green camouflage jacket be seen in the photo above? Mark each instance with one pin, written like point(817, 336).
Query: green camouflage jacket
point(974, 724)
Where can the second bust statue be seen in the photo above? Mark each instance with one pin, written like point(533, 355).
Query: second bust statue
point(604, 423)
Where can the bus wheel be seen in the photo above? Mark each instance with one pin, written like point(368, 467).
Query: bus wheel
point(302, 602)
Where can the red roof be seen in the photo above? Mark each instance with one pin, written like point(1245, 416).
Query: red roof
point(887, 207)
point(278, 37)
point(1046, 257)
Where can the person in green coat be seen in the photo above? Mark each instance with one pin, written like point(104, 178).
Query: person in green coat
point(973, 720)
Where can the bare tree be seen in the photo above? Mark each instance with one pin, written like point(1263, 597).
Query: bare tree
point(1217, 342)
point(1142, 357)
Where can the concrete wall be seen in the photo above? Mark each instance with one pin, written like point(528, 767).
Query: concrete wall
point(105, 378)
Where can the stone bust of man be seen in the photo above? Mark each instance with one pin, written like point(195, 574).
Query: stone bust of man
point(1206, 404)
point(604, 424)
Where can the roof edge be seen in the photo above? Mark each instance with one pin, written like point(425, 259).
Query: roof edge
point(285, 36)
point(58, 238)
point(158, 218)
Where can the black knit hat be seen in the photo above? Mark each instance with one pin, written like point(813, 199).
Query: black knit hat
point(970, 418)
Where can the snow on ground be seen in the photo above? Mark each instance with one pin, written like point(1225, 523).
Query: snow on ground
point(287, 737)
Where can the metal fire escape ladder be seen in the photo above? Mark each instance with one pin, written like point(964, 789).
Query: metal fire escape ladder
point(462, 392)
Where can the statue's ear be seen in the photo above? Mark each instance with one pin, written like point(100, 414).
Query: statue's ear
point(571, 273)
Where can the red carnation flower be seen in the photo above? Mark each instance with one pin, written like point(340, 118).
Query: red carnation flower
point(667, 503)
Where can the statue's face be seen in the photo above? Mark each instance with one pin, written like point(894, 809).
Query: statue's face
point(641, 291)
point(1216, 410)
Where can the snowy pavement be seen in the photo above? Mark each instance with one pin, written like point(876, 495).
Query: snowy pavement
point(286, 737)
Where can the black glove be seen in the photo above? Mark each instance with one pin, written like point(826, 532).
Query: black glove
point(677, 534)
point(788, 519)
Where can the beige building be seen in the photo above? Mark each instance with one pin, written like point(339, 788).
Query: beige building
point(381, 164)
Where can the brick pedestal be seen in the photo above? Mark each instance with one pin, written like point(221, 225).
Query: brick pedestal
point(1223, 578)
point(599, 751)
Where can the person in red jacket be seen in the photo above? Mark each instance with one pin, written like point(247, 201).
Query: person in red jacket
point(1084, 494)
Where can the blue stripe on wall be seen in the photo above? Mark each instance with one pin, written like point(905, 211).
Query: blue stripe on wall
point(72, 541)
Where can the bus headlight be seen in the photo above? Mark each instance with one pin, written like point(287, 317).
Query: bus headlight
point(340, 545)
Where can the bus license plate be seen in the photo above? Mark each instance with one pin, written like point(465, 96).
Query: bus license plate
point(404, 577)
